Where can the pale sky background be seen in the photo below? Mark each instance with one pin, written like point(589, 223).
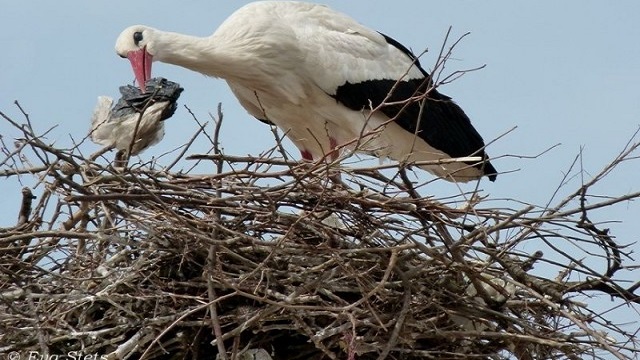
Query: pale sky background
point(563, 72)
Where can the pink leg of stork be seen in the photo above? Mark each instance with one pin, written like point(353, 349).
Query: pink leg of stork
point(333, 154)
point(306, 155)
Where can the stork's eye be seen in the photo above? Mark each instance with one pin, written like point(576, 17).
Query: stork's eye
point(137, 37)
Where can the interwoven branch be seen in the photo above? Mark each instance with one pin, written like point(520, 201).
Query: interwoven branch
point(266, 253)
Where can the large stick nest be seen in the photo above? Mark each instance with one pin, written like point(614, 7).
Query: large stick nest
point(262, 254)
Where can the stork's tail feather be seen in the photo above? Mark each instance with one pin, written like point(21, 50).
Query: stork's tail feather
point(449, 129)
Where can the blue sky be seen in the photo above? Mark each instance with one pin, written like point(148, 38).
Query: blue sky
point(562, 72)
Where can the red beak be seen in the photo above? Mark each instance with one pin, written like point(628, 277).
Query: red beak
point(141, 64)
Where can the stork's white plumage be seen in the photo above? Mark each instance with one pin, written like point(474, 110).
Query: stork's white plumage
point(317, 74)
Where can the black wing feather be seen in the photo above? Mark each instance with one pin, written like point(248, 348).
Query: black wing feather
point(441, 122)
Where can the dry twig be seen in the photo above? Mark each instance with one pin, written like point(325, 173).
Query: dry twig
point(160, 264)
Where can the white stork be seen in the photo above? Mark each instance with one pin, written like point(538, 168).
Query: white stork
point(318, 75)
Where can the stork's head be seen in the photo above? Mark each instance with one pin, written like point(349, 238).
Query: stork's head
point(137, 44)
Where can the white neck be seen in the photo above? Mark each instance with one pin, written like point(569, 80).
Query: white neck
point(194, 53)
point(256, 61)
